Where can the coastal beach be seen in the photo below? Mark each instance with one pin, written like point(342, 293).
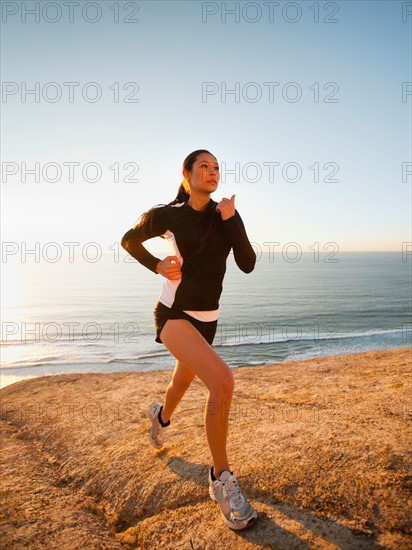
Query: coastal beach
point(321, 448)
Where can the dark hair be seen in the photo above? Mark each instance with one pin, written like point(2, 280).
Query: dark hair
point(183, 193)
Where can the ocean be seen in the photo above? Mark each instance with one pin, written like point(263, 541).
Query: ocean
point(96, 314)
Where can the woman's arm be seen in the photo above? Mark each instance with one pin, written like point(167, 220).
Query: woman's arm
point(243, 252)
point(154, 226)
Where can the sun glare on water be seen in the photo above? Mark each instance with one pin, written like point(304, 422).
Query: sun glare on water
point(13, 292)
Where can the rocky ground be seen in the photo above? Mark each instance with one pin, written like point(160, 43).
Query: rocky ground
point(321, 448)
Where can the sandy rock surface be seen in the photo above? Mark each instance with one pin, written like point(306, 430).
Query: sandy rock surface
point(321, 448)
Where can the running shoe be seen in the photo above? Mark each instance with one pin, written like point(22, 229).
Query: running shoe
point(235, 509)
point(156, 431)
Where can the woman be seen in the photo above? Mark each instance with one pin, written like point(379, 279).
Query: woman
point(201, 233)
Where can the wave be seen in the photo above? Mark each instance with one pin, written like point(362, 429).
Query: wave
point(326, 336)
point(308, 345)
point(156, 354)
point(138, 357)
point(15, 342)
point(45, 362)
point(30, 365)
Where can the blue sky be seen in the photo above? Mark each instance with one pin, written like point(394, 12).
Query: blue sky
point(169, 55)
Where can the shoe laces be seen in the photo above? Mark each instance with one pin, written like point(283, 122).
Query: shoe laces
point(234, 493)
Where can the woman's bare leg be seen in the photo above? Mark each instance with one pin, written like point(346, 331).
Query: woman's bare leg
point(182, 378)
point(190, 348)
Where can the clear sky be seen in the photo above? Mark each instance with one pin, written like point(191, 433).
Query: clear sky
point(313, 140)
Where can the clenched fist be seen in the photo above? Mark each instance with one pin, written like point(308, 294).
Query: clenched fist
point(170, 268)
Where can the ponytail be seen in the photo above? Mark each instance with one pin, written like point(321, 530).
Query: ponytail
point(183, 193)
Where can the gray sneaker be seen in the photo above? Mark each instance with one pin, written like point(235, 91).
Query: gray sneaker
point(235, 509)
point(156, 431)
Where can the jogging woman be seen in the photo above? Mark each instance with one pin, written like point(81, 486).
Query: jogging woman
point(201, 233)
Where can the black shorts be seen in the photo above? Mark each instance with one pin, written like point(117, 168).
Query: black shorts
point(162, 313)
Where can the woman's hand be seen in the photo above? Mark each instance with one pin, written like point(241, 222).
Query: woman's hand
point(170, 268)
point(226, 207)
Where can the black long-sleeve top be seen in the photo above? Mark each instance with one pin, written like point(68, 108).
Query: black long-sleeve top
point(200, 286)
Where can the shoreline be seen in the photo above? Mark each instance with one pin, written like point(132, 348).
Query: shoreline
point(98, 366)
point(321, 448)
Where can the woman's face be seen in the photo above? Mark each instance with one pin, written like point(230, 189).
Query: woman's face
point(204, 176)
